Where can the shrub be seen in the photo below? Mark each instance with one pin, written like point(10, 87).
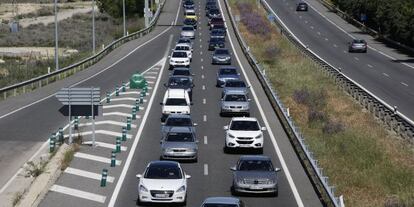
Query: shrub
point(314, 115)
point(270, 53)
point(254, 21)
point(332, 127)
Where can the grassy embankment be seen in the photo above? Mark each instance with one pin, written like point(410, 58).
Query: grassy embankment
point(369, 165)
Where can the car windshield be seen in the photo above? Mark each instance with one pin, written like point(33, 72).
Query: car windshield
point(179, 137)
point(216, 40)
point(163, 172)
point(359, 41)
point(228, 71)
point(221, 52)
point(179, 54)
point(188, 28)
point(236, 84)
point(189, 21)
point(214, 11)
point(182, 48)
point(179, 82)
point(188, 3)
point(184, 41)
point(178, 122)
point(176, 102)
point(255, 165)
point(181, 72)
point(244, 125)
point(219, 205)
point(217, 32)
point(235, 97)
point(216, 19)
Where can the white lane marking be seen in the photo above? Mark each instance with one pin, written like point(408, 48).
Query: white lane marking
point(78, 193)
point(104, 132)
point(204, 87)
point(150, 82)
point(306, 22)
point(204, 118)
point(201, 52)
point(117, 123)
point(105, 145)
point(123, 99)
point(370, 66)
point(344, 51)
point(95, 158)
point(385, 74)
point(200, 34)
point(202, 76)
point(117, 114)
point(200, 39)
point(201, 46)
point(205, 169)
point(202, 67)
point(87, 174)
point(46, 143)
point(300, 17)
point(152, 72)
point(356, 58)
point(404, 84)
point(270, 132)
point(118, 106)
point(150, 77)
point(335, 45)
point(129, 93)
point(138, 136)
point(204, 101)
point(372, 48)
point(201, 60)
point(205, 140)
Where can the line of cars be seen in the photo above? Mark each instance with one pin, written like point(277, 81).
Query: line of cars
point(165, 181)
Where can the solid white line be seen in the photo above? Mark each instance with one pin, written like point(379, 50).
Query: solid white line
point(123, 99)
point(95, 158)
point(88, 174)
point(204, 101)
point(105, 145)
point(272, 137)
point(404, 84)
point(118, 106)
point(117, 123)
point(205, 140)
point(119, 114)
point(204, 118)
point(138, 136)
point(205, 169)
point(78, 193)
point(129, 93)
point(105, 132)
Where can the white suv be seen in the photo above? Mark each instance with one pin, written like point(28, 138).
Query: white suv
point(244, 132)
point(176, 101)
point(179, 59)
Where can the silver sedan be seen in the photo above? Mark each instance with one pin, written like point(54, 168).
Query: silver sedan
point(180, 143)
point(235, 102)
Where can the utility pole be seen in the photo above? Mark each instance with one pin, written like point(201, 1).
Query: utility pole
point(56, 38)
point(93, 26)
point(146, 13)
point(123, 11)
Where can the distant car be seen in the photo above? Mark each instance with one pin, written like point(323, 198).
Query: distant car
point(181, 71)
point(187, 31)
point(235, 85)
point(244, 133)
point(225, 74)
point(181, 82)
point(177, 120)
point(302, 6)
point(190, 15)
point(191, 22)
point(223, 202)
point(255, 174)
point(162, 182)
point(179, 59)
point(235, 103)
point(221, 56)
point(214, 43)
point(213, 12)
point(180, 143)
point(358, 45)
point(218, 33)
point(184, 48)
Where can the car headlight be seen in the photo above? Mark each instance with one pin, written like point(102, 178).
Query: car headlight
point(142, 188)
point(231, 136)
point(270, 181)
point(181, 189)
point(168, 150)
point(191, 150)
point(215, 58)
point(259, 136)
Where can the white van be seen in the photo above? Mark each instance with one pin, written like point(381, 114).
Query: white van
point(175, 101)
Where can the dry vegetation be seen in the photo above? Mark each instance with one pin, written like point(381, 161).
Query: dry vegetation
point(369, 165)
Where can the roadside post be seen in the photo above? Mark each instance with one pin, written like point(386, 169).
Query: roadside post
point(113, 159)
point(104, 177)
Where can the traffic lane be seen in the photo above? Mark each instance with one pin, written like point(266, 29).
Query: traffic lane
point(385, 78)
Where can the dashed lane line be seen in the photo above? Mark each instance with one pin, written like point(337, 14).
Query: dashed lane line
point(356, 58)
point(88, 174)
point(205, 118)
point(404, 84)
point(370, 66)
point(385, 74)
point(78, 193)
point(205, 140)
point(204, 101)
point(205, 169)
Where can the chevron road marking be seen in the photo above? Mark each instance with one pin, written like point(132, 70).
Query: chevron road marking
point(105, 145)
point(108, 122)
point(105, 132)
point(119, 114)
point(88, 174)
point(96, 158)
point(78, 193)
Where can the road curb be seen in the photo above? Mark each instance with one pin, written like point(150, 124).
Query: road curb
point(40, 186)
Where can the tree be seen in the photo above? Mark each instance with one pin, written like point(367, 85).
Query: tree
point(114, 7)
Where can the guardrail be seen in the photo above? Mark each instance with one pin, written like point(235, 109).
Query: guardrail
point(43, 80)
point(362, 26)
point(389, 115)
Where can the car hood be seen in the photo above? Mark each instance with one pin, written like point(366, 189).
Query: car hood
point(235, 103)
point(162, 184)
point(244, 133)
point(187, 145)
point(259, 175)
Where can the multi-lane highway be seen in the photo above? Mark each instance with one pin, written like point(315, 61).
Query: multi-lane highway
point(390, 80)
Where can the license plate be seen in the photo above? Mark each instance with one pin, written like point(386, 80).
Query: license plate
point(161, 195)
point(244, 145)
point(255, 187)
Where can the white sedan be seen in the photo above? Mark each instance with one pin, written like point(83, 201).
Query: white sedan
point(162, 182)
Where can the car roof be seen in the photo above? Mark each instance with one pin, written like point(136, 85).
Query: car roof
point(222, 200)
point(243, 119)
point(164, 163)
point(254, 157)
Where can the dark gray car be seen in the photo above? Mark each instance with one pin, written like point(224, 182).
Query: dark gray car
point(221, 56)
point(235, 103)
point(255, 174)
point(223, 202)
point(177, 120)
point(180, 143)
point(225, 74)
point(181, 82)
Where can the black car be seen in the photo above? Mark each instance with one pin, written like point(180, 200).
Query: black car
point(210, 4)
point(216, 22)
point(190, 21)
point(214, 43)
point(302, 6)
point(213, 12)
point(181, 82)
point(218, 33)
point(188, 4)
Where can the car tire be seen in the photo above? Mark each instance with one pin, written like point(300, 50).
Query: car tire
point(260, 151)
point(276, 194)
point(226, 150)
point(139, 202)
point(232, 191)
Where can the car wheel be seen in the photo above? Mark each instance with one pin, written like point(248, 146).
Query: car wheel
point(226, 150)
point(276, 194)
point(260, 151)
point(232, 191)
point(195, 160)
point(139, 202)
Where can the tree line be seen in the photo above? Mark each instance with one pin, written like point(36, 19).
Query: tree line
point(114, 7)
point(392, 18)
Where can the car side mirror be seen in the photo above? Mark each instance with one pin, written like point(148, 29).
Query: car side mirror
point(222, 99)
point(264, 129)
point(138, 176)
point(233, 168)
point(277, 169)
point(226, 127)
point(187, 176)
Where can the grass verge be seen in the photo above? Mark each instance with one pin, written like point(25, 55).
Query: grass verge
point(369, 165)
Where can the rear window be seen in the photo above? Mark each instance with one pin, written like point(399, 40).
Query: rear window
point(235, 98)
point(176, 102)
point(179, 137)
point(179, 54)
point(228, 71)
